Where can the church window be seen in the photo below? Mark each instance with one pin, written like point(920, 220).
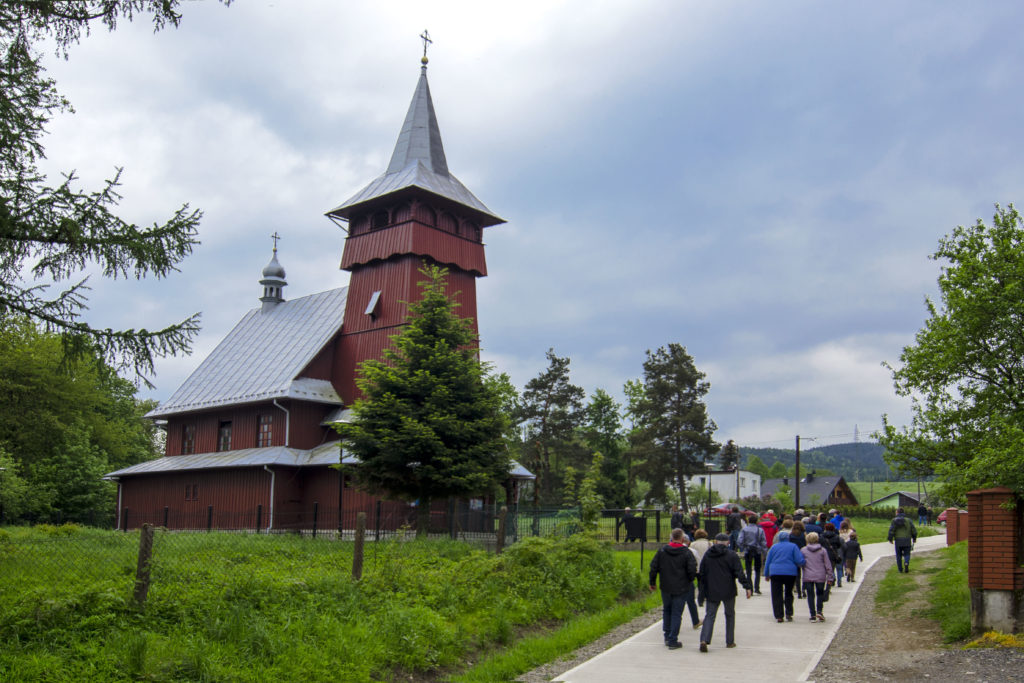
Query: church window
point(266, 431)
point(224, 436)
point(380, 220)
point(188, 439)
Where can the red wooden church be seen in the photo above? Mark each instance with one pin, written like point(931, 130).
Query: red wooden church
point(249, 441)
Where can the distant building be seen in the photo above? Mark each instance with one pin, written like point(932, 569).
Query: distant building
point(728, 484)
point(815, 491)
point(897, 499)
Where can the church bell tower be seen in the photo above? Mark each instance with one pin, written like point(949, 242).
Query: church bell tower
point(416, 211)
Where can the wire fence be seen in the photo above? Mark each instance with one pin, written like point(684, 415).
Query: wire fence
point(201, 548)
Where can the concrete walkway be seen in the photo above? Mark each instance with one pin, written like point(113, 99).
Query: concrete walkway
point(765, 649)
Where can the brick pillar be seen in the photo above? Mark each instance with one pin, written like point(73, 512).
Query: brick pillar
point(952, 526)
point(993, 569)
point(961, 528)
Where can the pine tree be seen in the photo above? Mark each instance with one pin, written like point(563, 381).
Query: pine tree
point(50, 234)
point(428, 426)
point(673, 420)
point(551, 409)
point(729, 458)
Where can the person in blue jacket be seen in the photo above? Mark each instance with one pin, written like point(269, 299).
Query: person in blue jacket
point(781, 568)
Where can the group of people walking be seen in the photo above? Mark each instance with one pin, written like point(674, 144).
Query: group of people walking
point(799, 553)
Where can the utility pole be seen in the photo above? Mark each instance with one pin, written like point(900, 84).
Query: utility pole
point(796, 498)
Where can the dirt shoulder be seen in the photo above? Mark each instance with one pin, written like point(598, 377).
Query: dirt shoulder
point(900, 644)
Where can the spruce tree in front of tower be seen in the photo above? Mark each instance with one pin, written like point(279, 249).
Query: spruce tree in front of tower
point(428, 426)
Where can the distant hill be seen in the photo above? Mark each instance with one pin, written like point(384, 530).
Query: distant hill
point(853, 461)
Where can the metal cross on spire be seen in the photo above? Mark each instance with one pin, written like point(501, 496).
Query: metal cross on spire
point(275, 237)
point(425, 37)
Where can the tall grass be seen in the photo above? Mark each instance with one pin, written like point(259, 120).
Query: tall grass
point(950, 597)
point(230, 607)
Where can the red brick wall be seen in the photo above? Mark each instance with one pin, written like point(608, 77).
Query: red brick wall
point(993, 530)
point(956, 526)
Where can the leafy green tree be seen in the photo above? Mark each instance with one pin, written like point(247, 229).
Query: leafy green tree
point(51, 233)
point(508, 401)
point(551, 410)
point(66, 429)
point(729, 458)
point(636, 447)
point(591, 501)
point(964, 373)
point(14, 490)
point(698, 495)
point(428, 426)
point(602, 433)
point(673, 419)
point(757, 466)
point(778, 470)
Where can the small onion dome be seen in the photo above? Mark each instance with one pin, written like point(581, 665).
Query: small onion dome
point(274, 269)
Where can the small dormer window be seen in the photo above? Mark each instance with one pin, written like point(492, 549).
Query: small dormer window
point(373, 306)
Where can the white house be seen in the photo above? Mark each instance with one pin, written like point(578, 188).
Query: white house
point(729, 484)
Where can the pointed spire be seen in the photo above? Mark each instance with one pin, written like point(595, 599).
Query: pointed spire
point(418, 161)
point(420, 139)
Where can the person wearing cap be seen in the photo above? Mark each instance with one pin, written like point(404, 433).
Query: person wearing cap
point(719, 571)
point(837, 518)
point(676, 567)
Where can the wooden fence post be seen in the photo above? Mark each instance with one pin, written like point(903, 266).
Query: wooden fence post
point(145, 558)
point(499, 544)
point(357, 552)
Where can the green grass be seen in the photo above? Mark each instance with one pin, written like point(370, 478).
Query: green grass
point(876, 530)
point(950, 596)
point(230, 607)
point(532, 652)
point(893, 590)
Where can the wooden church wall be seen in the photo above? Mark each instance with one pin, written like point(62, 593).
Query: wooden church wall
point(188, 497)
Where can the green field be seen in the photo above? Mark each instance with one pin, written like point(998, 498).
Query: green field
point(245, 607)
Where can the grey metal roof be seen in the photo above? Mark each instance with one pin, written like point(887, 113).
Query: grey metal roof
point(261, 357)
point(898, 494)
point(519, 472)
point(821, 486)
point(418, 161)
point(324, 454)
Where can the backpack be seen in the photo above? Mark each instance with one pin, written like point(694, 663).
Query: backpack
point(748, 538)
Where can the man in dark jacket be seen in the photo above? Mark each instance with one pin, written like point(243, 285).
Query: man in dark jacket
point(719, 571)
point(903, 535)
point(677, 567)
point(733, 524)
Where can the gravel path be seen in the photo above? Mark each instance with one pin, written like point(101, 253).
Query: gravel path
point(900, 647)
point(903, 646)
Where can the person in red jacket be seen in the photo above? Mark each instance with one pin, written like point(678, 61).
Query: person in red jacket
point(768, 524)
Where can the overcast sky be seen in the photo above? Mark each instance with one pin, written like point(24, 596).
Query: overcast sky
point(760, 182)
